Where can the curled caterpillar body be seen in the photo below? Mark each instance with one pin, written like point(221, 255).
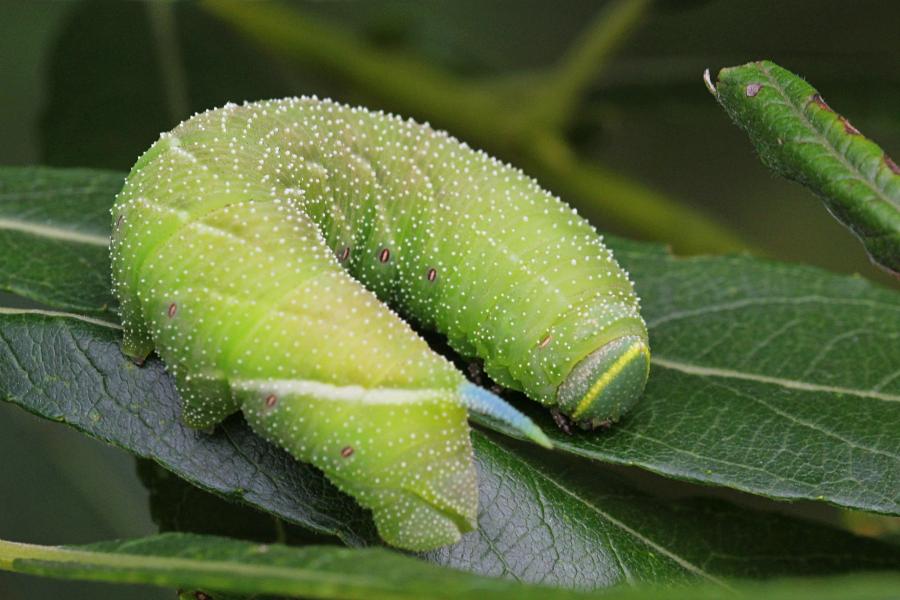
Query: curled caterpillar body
point(257, 248)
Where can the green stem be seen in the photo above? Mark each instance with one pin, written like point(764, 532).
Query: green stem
point(587, 57)
point(629, 207)
point(162, 22)
point(280, 531)
point(12, 551)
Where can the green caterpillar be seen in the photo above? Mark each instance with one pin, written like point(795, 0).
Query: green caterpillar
point(257, 248)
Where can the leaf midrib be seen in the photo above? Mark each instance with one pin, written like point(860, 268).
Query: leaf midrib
point(793, 384)
point(11, 552)
point(765, 301)
point(56, 233)
point(58, 314)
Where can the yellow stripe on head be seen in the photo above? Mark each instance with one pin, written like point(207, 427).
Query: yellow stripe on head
point(608, 381)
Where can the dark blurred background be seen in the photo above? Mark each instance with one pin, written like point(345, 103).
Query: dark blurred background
point(93, 83)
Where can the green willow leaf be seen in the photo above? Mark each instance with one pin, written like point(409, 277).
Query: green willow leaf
point(800, 137)
point(545, 516)
point(757, 366)
point(221, 567)
point(54, 235)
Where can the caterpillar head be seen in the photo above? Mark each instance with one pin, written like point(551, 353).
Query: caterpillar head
point(604, 385)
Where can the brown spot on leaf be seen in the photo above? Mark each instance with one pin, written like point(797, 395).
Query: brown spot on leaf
point(271, 400)
point(346, 451)
point(119, 221)
point(384, 255)
point(820, 102)
point(752, 89)
point(432, 274)
point(344, 254)
point(891, 164)
point(849, 128)
point(173, 308)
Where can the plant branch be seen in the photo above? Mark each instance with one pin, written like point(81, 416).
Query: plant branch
point(626, 203)
point(162, 22)
point(394, 79)
point(566, 86)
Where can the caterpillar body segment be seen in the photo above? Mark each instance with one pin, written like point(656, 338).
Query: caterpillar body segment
point(252, 324)
point(257, 249)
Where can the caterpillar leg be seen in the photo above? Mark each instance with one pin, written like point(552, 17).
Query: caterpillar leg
point(136, 341)
point(206, 399)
